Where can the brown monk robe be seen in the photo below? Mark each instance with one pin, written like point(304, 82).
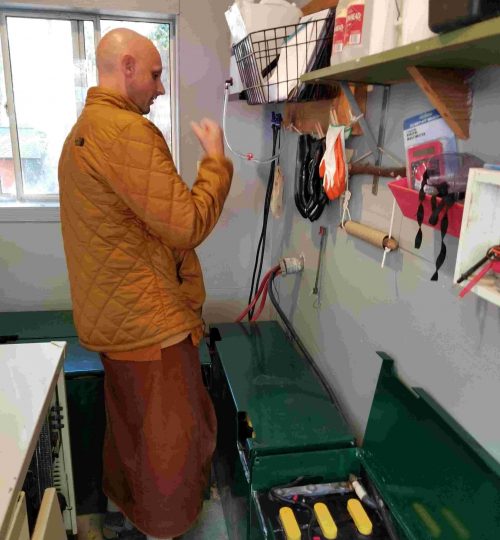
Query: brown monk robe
point(160, 437)
point(130, 226)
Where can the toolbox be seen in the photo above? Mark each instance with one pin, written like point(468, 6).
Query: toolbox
point(278, 430)
point(275, 419)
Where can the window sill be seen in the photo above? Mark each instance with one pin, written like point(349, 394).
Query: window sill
point(29, 212)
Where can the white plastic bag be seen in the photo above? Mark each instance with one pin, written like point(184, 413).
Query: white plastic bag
point(245, 17)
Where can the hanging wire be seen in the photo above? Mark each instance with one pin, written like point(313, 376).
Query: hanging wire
point(249, 156)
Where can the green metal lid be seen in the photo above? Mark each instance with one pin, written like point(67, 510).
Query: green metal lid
point(273, 384)
point(205, 359)
point(437, 480)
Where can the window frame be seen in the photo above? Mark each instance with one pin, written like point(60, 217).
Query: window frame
point(46, 207)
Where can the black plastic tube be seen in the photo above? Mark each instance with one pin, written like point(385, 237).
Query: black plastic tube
point(301, 346)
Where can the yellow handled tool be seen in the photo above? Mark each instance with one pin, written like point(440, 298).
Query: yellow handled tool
point(359, 516)
point(325, 520)
point(289, 524)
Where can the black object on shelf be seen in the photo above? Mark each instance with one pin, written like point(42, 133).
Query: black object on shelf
point(271, 62)
point(446, 15)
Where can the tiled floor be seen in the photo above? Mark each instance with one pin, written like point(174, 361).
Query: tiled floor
point(209, 526)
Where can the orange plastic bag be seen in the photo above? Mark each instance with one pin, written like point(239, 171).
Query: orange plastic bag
point(333, 168)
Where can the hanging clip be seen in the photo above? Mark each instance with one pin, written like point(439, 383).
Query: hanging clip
point(276, 119)
point(322, 246)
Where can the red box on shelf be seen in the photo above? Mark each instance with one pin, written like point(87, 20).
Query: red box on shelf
point(407, 200)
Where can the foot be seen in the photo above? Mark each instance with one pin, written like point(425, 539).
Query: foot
point(114, 521)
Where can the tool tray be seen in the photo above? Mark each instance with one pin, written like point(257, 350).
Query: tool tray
point(337, 505)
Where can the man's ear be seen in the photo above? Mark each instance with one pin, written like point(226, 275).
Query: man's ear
point(128, 65)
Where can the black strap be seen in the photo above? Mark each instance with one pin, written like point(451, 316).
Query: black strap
point(442, 191)
point(420, 211)
point(448, 201)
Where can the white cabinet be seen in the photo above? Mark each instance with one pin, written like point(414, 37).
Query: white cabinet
point(34, 418)
point(480, 229)
point(18, 528)
point(49, 524)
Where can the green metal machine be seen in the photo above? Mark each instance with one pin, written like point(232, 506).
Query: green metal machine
point(429, 479)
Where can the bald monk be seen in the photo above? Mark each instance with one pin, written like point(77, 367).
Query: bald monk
point(130, 226)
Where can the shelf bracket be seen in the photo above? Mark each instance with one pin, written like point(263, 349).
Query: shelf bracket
point(353, 104)
point(449, 92)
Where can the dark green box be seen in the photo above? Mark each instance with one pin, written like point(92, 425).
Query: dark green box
point(435, 480)
point(274, 418)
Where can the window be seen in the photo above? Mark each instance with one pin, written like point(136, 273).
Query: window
point(47, 64)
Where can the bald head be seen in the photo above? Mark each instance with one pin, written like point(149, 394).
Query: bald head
point(130, 64)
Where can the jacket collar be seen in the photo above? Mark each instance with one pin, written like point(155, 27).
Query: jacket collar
point(103, 96)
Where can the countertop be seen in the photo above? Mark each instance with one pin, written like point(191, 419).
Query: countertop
point(28, 376)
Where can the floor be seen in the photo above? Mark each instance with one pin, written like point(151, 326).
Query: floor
point(210, 525)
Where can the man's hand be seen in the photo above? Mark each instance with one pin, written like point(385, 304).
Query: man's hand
point(209, 134)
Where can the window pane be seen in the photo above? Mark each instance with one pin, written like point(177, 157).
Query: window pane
point(7, 177)
point(88, 30)
point(159, 34)
point(44, 96)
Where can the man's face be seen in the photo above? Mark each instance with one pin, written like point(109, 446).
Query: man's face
point(144, 85)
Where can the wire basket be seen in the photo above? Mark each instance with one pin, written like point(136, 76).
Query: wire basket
point(271, 62)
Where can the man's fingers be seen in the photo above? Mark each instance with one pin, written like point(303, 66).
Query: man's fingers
point(198, 131)
point(209, 134)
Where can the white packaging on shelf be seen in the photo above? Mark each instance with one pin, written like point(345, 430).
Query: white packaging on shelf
point(300, 49)
point(339, 32)
point(371, 28)
point(415, 21)
point(245, 17)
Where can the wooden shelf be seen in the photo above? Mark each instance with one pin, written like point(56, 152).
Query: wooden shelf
point(472, 47)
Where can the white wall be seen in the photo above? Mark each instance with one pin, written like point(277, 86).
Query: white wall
point(138, 7)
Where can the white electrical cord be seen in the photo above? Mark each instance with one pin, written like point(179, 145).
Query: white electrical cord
point(249, 156)
point(346, 198)
point(387, 250)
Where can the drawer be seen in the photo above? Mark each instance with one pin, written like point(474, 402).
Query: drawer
point(49, 523)
point(18, 529)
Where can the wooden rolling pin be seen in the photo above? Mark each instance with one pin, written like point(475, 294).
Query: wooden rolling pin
point(370, 235)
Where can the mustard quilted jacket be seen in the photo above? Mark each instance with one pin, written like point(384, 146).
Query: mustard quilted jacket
point(130, 225)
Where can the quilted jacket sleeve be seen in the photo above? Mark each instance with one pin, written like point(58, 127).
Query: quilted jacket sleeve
point(142, 173)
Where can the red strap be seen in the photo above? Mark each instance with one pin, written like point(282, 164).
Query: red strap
point(492, 265)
